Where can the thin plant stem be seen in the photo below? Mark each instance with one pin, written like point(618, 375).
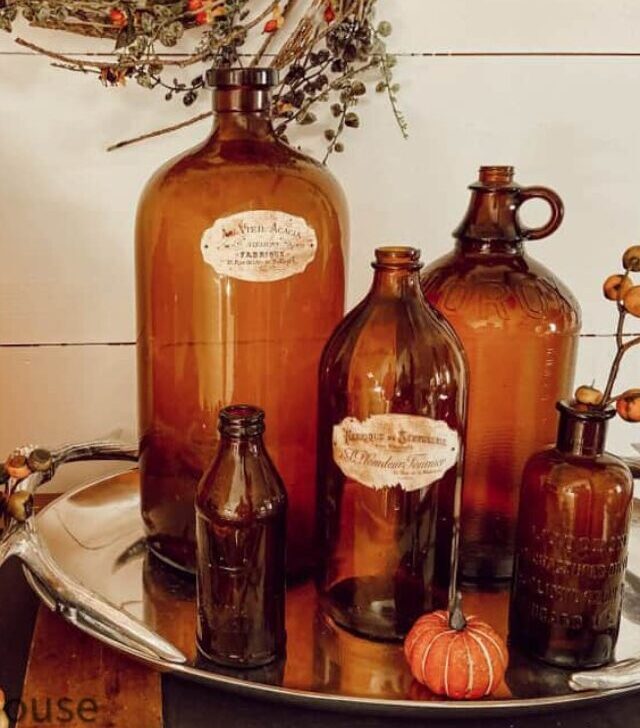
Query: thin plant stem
point(160, 132)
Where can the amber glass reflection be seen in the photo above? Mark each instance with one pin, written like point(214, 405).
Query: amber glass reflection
point(519, 326)
point(241, 508)
point(571, 554)
point(386, 551)
point(169, 603)
point(206, 340)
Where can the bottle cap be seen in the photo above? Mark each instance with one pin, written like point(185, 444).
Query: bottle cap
point(262, 77)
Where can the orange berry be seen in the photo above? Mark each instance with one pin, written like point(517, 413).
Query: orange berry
point(202, 18)
point(628, 405)
point(329, 13)
point(631, 301)
point(117, 17)
point(616, 286)
point(631, 259)
point(589, 395)
point(194, 4)
point(271, 26)
point(16, 465)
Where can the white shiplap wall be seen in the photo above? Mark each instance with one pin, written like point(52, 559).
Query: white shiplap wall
point(551, 87)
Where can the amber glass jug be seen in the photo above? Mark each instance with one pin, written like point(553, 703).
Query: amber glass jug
point(519, 326)
point(572, 542)
point(241, 246)
point(392, 413)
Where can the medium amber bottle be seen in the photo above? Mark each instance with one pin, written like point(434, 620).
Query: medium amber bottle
point(241, 246)
point(572, 540)
point(519, 326)
point(392, 414)
point(241, 507)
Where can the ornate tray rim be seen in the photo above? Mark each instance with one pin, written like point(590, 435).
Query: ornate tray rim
point(443, 709)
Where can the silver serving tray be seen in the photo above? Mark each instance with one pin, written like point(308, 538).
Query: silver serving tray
point(95, 536)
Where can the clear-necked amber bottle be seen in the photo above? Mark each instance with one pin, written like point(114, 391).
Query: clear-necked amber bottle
point(519, 326)
point(241, 246)
point(572, 543)
point(392, 415)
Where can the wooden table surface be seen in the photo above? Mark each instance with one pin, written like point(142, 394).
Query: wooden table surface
point(55, 675)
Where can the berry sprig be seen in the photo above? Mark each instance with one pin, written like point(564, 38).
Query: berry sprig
point(625, 293)
point(17, 505)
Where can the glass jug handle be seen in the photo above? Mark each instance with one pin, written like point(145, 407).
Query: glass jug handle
point(557, 211)
point(634, 466)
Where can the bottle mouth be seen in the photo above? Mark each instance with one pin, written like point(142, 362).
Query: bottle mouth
point(495, 177)
point(403, 257)
point(257, 77)
point(585, 412)
point(241, 420)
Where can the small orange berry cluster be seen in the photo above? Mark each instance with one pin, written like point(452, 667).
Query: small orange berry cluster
point(620, 286)
point(621, 289)
point(18, 504)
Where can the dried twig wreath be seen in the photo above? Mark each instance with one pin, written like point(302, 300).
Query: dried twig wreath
point(329, 51)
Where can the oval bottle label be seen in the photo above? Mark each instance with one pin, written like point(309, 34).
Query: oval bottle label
point(391, 450)
point(259, 245)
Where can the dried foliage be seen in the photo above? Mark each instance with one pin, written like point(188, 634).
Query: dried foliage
point(330, 52)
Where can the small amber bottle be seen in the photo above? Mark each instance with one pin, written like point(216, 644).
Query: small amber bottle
point(241, 509)
point(571, 548)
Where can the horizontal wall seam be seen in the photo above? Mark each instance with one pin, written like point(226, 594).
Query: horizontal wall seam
point(62, 344)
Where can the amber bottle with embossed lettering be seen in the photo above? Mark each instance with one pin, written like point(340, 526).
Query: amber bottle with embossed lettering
point(241, 246)
point(571, 550)
point(519, 326)
point(392, 414)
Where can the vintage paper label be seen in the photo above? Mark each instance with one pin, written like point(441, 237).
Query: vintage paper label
point(389, 450)
point(259, 245)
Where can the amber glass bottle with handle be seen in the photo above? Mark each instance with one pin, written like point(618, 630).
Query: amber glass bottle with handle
point(241, 246)
point(519, 326)
point(392, 413)
point(572, 542)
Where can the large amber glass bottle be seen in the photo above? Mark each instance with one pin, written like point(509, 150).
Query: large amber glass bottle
point(572, 542)
point(392, 412)
point(519, 326)
point(240, 281)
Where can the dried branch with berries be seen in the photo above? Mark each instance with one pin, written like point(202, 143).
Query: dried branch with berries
point(330, 52)
point(625, 293)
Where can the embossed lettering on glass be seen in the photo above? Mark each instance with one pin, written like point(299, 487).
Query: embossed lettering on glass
point(519, 326)
point(571, 552)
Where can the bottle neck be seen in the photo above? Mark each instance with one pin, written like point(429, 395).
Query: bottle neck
point(491, 222)
point(583, 434)
point(397, 273)
point(242, 111)
point(396, 283)
point(239, 447)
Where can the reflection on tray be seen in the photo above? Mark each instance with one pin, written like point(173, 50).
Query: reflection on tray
point(321, 657)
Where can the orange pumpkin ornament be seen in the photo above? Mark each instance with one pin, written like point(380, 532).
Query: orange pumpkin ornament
point(460, 658)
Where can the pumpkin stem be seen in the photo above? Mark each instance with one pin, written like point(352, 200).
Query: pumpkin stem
point(456, 615)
